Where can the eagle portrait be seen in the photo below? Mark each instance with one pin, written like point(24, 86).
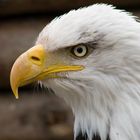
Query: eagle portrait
point(90, 57)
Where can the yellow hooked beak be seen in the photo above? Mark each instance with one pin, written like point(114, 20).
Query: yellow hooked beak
point(32, 66)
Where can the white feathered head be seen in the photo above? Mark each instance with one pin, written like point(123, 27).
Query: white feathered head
point(91, 58)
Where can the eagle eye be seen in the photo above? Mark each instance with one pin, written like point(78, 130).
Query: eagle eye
point(79, 50)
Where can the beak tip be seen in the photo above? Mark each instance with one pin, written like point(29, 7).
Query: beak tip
point(16, 93)
point(17, 97)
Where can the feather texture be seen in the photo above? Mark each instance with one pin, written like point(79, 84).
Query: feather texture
point(105, 96)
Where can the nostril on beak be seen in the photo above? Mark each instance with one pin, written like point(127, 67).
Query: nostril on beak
point(36, 55)
point(34, 58)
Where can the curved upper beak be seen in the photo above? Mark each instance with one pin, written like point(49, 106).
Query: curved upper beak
point(26, 67)
point(32, 66)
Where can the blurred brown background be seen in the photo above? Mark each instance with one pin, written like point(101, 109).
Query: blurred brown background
point(37, 115)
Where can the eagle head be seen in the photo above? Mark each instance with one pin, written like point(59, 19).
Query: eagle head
point(90, 57)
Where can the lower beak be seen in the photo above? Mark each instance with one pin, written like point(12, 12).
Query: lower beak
point(31, 67)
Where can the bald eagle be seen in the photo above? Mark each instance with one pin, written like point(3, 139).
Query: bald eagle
point(90, 57)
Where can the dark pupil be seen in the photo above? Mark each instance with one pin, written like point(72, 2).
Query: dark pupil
point(79, 50)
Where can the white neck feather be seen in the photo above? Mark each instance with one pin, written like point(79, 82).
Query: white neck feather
point(105, 96)
point(103, 104)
